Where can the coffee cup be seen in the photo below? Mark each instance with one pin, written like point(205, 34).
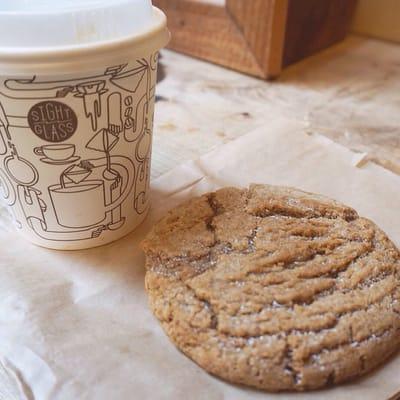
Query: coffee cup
point(56, 152)
point(66, 104)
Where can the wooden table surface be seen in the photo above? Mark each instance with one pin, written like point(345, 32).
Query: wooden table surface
point(350, 92)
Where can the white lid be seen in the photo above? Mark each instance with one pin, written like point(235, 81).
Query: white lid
point(41, 24)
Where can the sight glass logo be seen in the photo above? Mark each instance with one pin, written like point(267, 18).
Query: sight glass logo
point(52, 121)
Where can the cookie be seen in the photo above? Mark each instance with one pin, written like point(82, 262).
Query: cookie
point(274, 287)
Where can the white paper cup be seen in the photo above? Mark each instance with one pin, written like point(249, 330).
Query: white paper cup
point(76, 129)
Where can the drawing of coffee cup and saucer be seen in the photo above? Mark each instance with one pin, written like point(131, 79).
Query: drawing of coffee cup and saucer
point(57, 154)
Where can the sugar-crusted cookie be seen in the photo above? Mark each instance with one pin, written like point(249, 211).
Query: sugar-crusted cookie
point(275, 288)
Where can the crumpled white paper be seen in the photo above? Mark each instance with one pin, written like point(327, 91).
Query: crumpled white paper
point(76, 325)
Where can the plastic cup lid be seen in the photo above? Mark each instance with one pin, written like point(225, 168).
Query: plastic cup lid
point(34, 24)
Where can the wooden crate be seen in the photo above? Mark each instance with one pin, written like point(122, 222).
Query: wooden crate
point(257, 37)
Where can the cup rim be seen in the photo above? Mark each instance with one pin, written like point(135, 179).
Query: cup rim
point(155, 37)
point(57, 146)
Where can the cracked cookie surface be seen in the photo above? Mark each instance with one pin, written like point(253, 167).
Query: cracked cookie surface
point(275, 288)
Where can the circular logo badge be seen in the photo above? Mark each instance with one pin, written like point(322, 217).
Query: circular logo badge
point(52, 121)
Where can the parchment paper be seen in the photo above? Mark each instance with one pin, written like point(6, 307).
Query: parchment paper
point(75, 325)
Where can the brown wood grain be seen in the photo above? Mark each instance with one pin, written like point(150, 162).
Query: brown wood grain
point(313, 25)
point(207, 31)
point(262, 22)
point(257, 37)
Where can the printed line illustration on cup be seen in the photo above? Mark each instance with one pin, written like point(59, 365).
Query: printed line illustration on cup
point(7, 191)
point(58, 154)
point(90, 92)
point(63, 191)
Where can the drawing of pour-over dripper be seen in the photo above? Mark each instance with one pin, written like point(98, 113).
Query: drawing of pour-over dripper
point(75, 174)
point(105, 141)
point(131, 79)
